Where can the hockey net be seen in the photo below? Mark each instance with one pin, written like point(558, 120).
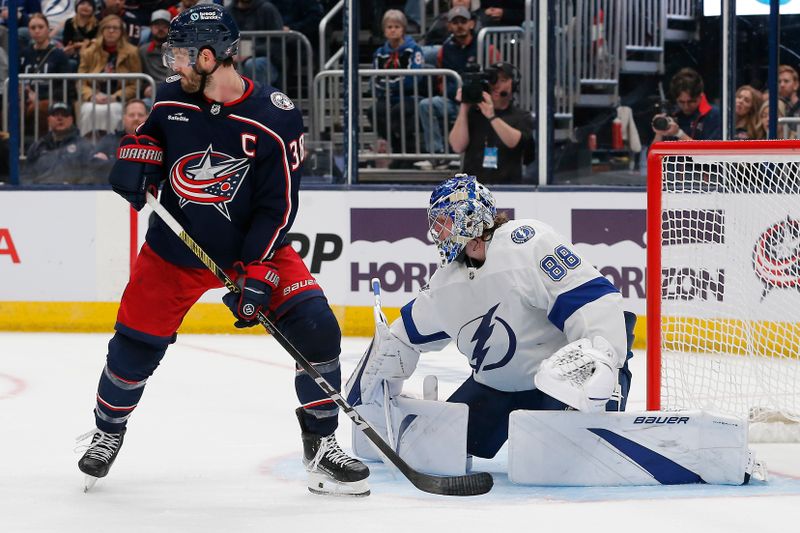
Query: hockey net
point(723, 281)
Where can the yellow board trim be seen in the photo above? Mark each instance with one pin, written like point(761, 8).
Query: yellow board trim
point(99, 317)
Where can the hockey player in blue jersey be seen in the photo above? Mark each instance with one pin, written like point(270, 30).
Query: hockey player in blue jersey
point(227, 154)
point(541, 328)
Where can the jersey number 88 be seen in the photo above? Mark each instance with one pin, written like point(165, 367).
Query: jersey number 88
point(556, 266)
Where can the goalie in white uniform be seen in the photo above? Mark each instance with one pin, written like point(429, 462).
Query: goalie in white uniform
point(543, 332)
point(535, 320)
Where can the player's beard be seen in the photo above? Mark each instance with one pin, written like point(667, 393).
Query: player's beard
point(192, 82)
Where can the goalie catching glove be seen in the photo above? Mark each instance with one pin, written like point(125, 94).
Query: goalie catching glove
point(138, 169)
point(256, 280)
point(582, 374)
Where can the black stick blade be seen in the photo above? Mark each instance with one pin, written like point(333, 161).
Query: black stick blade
point(468, 485)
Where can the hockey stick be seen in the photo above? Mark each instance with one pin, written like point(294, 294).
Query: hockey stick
point(380, 318)
point(466, 485)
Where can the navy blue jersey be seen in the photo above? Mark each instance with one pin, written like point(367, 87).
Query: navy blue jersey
point(232, 172)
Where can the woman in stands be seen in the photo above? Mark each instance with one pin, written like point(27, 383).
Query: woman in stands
point(110, 52)
point(748, 103)
point(79, 30)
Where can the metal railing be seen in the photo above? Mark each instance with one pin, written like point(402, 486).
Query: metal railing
point(565, 90)
point(644, 26)
point(290, 55)
point(684, 13)
point(599, 46)
point(66, 86)
point(327, 121)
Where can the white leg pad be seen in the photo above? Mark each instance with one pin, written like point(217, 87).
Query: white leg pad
point(570, 448)
point(430, 436)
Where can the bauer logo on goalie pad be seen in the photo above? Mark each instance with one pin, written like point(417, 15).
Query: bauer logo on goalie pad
point(661, 420)
point(522, 234)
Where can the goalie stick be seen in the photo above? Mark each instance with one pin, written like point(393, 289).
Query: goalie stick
point(466, 485)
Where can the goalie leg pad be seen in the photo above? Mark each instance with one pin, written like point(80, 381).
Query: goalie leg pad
point(623, 449)
point(430, 436)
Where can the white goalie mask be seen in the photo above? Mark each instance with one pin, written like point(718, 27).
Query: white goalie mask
point(460, 209)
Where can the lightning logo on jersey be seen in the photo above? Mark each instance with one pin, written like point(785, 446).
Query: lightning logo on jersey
point(208, 178)
point(485, 339)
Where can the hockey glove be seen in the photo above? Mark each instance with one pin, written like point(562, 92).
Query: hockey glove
point(257, 281)
point(138, 169)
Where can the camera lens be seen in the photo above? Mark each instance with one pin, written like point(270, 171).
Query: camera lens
point(660, 123)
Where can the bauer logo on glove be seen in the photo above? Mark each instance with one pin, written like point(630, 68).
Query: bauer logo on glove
point(256, 282)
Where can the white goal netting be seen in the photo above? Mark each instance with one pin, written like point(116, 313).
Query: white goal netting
point(730, 285)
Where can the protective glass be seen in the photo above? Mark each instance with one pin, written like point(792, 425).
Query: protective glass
point(178, 57)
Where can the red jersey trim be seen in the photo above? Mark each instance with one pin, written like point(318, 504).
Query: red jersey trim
point(286, 173)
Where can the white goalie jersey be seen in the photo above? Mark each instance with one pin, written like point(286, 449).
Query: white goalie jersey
point(533, 295)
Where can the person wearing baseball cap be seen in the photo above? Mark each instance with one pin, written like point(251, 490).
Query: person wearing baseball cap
point(150, 52)
point(61, 155)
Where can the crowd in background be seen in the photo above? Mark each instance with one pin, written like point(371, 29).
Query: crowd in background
point(65, 121)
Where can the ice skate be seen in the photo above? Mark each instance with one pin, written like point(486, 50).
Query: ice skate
point(100, 455)
point(330, 469)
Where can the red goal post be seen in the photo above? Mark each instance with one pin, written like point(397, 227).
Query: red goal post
point(723, 277)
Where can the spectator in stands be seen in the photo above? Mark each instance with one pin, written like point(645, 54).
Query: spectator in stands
point(257, 15)
point(495, 136)
point(183, 5)
point(79, 30)
point(781, 131)
point(109, 53)
point(439, 30)
point(105, 151)
point(57, 12)
point(60, 156)
point(301, 16)
point(787, 90)
point(748, 102)
point(129, 17)
point(695, 119)
point(458, 51)
point(41, 56)
point(502, 12)
point(150, 53)
point(399, 51)
point(25, 8)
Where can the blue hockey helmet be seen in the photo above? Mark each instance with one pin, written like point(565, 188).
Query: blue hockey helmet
point(199, 27)
point(460, 209)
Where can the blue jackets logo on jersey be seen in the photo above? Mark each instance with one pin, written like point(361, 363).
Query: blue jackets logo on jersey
point(481, 341)
point(208, 178)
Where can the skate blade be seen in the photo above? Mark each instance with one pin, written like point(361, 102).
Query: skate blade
point(88, 483)
point(323, 485)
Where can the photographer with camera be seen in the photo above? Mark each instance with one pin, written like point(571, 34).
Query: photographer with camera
point(695, 118)
point(495, 136)
point(458, 51)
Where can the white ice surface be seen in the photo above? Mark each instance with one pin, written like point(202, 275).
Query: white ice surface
point(214, 447)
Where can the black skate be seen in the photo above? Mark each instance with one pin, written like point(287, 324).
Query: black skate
point(97, 460)
point(330, 469)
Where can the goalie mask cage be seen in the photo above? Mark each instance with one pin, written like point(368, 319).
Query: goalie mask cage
point(723, 280)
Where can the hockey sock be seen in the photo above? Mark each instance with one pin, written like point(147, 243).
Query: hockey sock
point(128, 365)
point(320, 414)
